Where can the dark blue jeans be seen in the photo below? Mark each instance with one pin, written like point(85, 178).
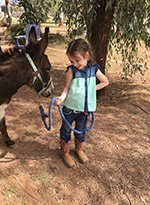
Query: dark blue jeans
point(80, 119)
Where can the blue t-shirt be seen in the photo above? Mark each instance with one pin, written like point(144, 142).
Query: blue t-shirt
point(82, 93)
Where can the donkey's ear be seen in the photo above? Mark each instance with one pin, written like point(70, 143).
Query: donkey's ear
point(43, 43)
point(32, 36)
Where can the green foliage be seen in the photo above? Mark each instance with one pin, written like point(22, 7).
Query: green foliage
point(57, 39)
point(34, 14)
point(80, 14)
point(130, 24)
point(16, 30)
point(54, 6)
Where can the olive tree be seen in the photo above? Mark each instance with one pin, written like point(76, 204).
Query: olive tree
point(35, 12)
point(118, 25)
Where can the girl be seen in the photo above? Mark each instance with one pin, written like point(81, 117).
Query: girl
point(79, 96)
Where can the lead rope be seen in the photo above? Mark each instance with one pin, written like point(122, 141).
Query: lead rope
point(44, 116)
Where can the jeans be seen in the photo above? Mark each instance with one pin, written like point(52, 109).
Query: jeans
point(80, 119)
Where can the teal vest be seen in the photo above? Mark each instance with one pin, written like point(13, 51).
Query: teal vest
point(82, 92)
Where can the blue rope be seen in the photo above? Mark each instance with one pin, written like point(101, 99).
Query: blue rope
point(44, 116)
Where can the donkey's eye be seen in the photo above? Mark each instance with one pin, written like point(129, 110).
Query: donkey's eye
point(48, 69)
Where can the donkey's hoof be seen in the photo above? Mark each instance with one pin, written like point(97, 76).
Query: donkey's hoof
point(10, 143)
point(14, 146)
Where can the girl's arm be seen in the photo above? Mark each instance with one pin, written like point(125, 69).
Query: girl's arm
point(103, 80)
point(69, 77)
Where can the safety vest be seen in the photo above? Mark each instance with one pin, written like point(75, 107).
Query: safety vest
point(82, 92)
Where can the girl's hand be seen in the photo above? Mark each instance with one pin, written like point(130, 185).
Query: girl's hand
point(58, 101)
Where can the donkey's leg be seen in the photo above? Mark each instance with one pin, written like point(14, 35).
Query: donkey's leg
point(3, 127)
point(3, 130)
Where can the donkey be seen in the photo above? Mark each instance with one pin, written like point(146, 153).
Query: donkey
point(24, 67)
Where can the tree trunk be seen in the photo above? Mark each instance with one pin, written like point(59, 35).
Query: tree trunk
point(8, 12)
point(100, 39)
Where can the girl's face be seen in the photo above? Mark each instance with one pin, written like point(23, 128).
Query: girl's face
point(78, 60)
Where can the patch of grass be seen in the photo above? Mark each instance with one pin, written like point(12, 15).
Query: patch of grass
point(44, 168)
point(18, 173)
point(2, 154)
point(58, 189)
point(148, 88)
point(53, 167)
point(56, 203)
point(114, 125)
point(43, 178)
point(40, 177)
point(58, 39)
point(24, 202)
point(146, 123)
point(35, 150)
point(148, 133)
point(128, 129)
point(10, 191)
point(136, 112)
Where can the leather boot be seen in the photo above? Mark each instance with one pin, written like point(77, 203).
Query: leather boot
point(65, 154)
point(79, 150)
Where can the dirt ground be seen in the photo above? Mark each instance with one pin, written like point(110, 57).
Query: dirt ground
point(118, 146)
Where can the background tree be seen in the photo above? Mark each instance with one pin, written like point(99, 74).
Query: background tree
point(8, 12)
point(35, 12)
point(54, 6)
point(112, 25)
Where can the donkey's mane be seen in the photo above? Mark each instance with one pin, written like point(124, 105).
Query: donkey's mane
point(13, 55)
point(10, 55)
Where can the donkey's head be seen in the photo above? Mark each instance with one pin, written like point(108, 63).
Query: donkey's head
point(42, 82)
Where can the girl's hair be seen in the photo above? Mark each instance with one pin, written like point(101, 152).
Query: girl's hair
point(81, 46)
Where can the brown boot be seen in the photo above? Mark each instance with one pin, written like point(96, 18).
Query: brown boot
point(65, 154)
point(79, 150)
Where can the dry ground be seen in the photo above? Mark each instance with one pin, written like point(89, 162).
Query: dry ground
point(118, 146)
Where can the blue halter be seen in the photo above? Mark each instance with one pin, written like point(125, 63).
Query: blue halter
point(38, 75)
point(44, 116)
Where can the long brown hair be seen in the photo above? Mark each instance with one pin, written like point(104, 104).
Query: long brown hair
point(81, 46)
